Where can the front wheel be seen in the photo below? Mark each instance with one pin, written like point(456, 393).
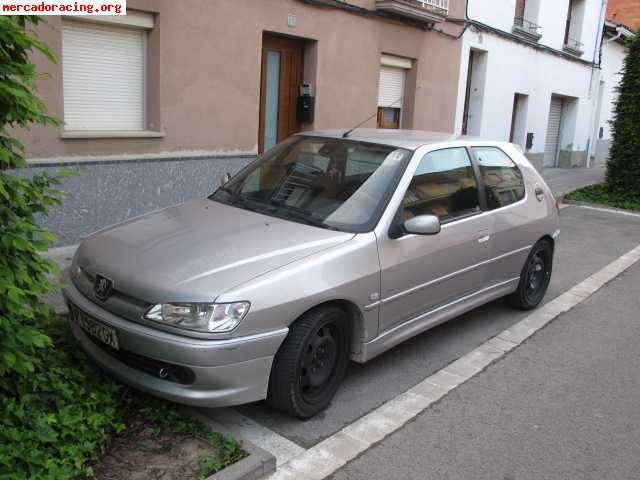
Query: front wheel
point(311, 363)
point(534, 278)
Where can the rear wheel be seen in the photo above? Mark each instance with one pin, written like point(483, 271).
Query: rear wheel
point(311, 363)
point(534, 278)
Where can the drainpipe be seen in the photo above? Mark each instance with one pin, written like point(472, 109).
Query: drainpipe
point(593, 91)
point(613, 39)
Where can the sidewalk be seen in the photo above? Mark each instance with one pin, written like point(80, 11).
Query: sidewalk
point(564, 405)
point(565, 180)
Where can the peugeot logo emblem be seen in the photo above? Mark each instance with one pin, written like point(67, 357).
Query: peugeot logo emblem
point(102, 287)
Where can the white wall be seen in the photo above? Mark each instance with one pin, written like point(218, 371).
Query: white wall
point(551, 16)
point(514, 68)
point(613, 54)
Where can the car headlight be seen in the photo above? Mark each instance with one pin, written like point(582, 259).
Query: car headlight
point(202, 317)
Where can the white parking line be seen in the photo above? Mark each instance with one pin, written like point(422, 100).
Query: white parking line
point(244, 428)
point(334, 452)
point(609, 210)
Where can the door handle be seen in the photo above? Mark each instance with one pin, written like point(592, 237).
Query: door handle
point(484, 239)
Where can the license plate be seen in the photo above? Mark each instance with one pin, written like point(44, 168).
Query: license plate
point(93, 327)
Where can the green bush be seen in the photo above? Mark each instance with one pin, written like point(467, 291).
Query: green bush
point(55, 412)
point(60, 415)
point(23, 272)
point(602, 195)
point(623, 168)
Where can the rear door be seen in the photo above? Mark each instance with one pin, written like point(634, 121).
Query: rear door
point(421, 273)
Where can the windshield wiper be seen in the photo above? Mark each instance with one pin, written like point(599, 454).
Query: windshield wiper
point(300, 215)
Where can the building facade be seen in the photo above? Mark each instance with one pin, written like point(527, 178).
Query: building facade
point(159, 104)
point(529, 74)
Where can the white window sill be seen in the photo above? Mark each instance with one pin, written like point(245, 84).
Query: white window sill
point(78, 134)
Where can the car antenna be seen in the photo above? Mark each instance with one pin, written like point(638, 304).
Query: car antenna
point(348, 132)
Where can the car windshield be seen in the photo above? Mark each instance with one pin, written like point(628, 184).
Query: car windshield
point(327, 182)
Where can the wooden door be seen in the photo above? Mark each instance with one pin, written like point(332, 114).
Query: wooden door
point(281, 77)
point(389, 117)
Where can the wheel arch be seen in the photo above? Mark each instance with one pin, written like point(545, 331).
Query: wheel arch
point(549, 239)
point(354, 316)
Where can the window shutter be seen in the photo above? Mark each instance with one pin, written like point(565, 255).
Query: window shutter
point(104, 78)
point(391, 88)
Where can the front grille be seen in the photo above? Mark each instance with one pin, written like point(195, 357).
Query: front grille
point(163, 370)
point(118, 303)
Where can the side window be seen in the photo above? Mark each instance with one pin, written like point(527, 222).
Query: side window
point(502, 179)
point(443, 185)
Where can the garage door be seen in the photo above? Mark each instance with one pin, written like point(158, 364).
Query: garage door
point(553, 132)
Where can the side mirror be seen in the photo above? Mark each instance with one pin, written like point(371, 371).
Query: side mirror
point(423, 225)
point(224, 179)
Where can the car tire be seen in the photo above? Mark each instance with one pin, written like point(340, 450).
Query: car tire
point(534, 278)
point(311, 363)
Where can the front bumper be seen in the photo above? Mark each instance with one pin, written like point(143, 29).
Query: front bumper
point(222, 372)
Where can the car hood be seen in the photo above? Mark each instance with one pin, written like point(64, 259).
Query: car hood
point(196, 251)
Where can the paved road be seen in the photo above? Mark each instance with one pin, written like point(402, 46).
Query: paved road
point(589, 241)
point(565, 405)
point(565, 180)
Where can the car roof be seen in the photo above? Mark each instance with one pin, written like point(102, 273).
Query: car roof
point(410, 139)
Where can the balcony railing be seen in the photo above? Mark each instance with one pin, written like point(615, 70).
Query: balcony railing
point(425, 10)
point(441, 4)
point(526, 28)
point(574, 46)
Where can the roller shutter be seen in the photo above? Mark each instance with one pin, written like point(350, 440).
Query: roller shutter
point(553, 132)
point(391, 87)
point(103, 77)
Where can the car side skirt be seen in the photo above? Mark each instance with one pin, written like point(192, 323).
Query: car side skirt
point(432, 318)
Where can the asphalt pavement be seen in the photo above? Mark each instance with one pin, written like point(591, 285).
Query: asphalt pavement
point(564, 405)
point(565, 180)
point(589, 241)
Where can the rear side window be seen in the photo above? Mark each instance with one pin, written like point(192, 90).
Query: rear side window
point(502, 178)
point(443, 185)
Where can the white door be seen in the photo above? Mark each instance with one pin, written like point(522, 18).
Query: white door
point(553, 133)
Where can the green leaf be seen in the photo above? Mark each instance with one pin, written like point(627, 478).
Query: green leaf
point(10, 358)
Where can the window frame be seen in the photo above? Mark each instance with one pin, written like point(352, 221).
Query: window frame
point(481, 182)
point(395, 230)
point(144, 22)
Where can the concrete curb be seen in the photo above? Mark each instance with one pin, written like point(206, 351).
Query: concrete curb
point(328, 456)
point(256, 465)
point(598, 205)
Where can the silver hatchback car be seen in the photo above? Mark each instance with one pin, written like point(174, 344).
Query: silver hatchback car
point(329, 248)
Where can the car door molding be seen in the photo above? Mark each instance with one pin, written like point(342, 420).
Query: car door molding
point(431, 318)
point(448, 276)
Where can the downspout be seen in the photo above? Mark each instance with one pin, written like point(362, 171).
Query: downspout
point(613, 39)
point(591, 141)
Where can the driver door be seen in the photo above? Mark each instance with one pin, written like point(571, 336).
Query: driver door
point(421, 273)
